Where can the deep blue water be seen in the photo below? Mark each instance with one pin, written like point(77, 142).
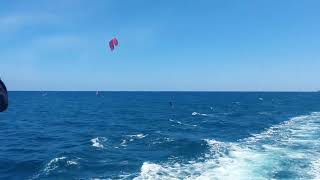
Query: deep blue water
point(127, 135)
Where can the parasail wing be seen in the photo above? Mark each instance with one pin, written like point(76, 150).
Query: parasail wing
point(111, 45)
point(115, 41)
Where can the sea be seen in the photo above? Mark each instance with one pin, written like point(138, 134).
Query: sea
point(160, 135)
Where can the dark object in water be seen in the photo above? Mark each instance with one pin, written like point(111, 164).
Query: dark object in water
point(171, 104)
point(3, 97)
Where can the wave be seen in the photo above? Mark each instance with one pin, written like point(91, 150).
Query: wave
point(162, 140)
point(265, 113)
point(53, 164)
point(180, 123)
point(131, 138)
point(124, 143)
point(289, 150)
point(60, 161)
point(198, 114)
point(138, 136)
point(56, 163)
point(316, 169)
point(98, 142)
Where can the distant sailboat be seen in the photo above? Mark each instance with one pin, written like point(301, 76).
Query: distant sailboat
point(97, 93)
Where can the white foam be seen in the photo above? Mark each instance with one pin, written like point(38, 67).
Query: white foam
point(262, 156)
point(149, 170)
point(59, 162)
point(194, 113)
point(228, 167)
point(131, 138)
point(265, 113)
point(52, 165)
point(198, 114)
point(137, 136)
point(171, 120)
point(124, 143)
point(98, 142)
point(168, 139)
point(180, 123)
point(162, 140)
point(315, 170)
point(72, 162)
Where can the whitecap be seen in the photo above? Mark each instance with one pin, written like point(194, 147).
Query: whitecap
point(52, 165)
point(138, 136)
point(123, 143)
point(131, 138)
point(180, 123)
point(198, 114)
point(59, 162)
point(98, 142)
point(194, 113)
point(72, 162)
point(162, 140)
point(315, 170)
point(265, 113)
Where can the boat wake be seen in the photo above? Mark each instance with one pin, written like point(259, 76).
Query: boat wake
point(289, 150)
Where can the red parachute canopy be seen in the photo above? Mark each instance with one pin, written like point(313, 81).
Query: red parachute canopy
point(112, 43)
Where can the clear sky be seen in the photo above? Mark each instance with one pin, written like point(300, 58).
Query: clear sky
point(210, 45)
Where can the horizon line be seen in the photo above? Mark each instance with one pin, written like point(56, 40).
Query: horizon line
point(231, 91)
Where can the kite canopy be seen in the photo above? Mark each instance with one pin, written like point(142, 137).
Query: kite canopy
point(112, 43)
point(3, 97)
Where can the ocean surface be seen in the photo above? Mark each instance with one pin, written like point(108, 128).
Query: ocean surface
point(139, 135)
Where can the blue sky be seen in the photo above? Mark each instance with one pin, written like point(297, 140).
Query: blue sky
point(203, 45)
